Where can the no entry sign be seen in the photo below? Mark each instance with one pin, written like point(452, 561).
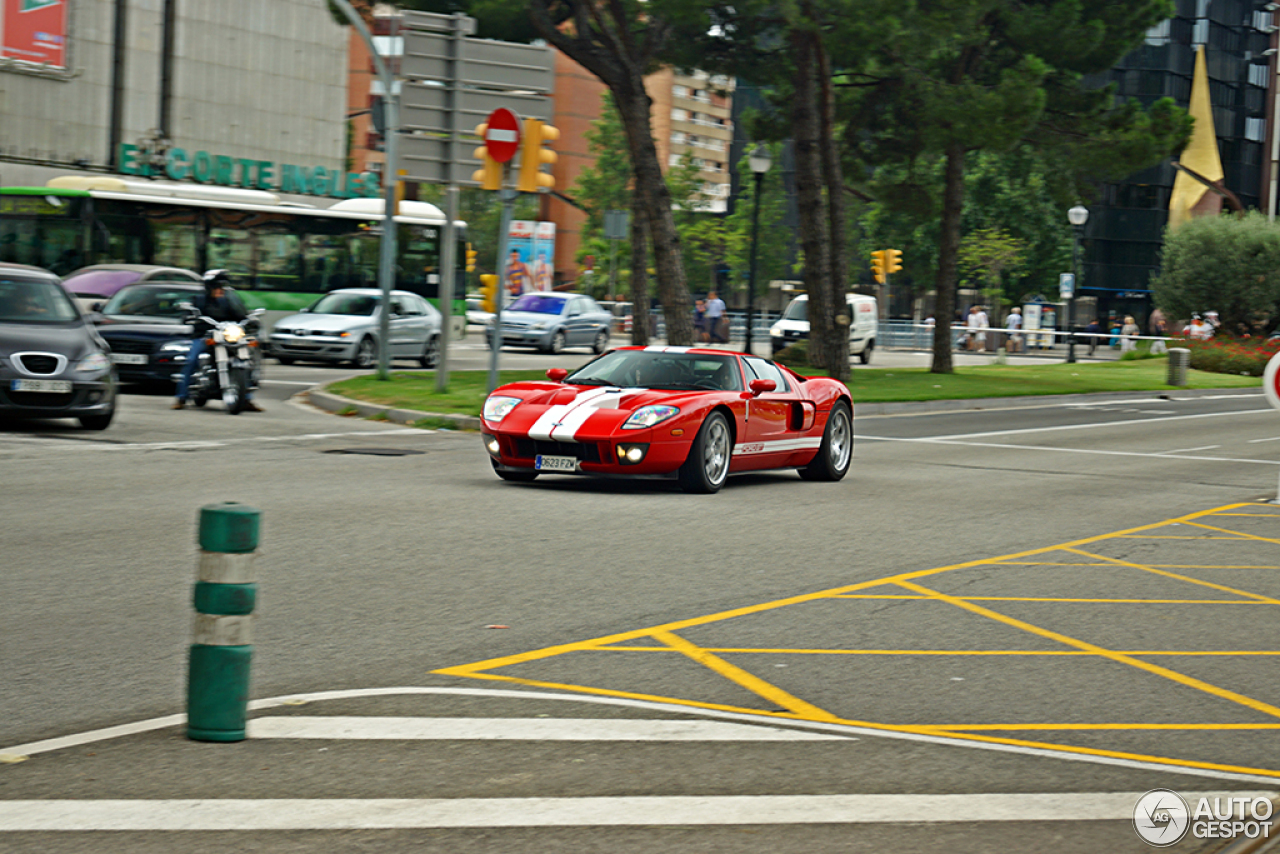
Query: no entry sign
point(1271, 381)
point(502, 138)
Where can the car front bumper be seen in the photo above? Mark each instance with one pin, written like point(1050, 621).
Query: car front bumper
point(87, 397)
point(597, 455)
point(322, 349)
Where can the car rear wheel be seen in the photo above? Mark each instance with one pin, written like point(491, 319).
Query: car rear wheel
point(519, 476)
point(366, 354)
point(601, 343)
point(285, 360)
point(707, 467)
point(431, 355)
point(836, 451)
point(865, 356)
point(557, 342)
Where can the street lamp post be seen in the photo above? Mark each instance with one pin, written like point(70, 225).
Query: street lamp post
point(760, 162)
point(1077, 216)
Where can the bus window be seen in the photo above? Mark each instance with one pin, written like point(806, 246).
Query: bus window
point(364, 261)
point(417, 267)
point(278, 260)
point(232, 249)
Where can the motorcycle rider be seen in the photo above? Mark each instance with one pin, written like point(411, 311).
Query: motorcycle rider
point(214, 304)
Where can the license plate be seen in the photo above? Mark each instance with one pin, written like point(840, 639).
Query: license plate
point(50, 386)
point(542, 463)
point(129, 358)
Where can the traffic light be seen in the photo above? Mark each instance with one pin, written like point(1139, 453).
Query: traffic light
point(489, 292)
point(879, 264)
point(532, 157)
point(893, 260)
point(471, 258)
point(489, 175)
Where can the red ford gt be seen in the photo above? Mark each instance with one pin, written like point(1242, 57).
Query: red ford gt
point(695, 414)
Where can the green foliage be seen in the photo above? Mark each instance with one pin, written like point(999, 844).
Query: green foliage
point(986, 255)
point(794, 355)
point(1222, 263)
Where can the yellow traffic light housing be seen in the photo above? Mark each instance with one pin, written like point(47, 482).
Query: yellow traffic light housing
point(879, 264)
point(489, 175)
point(893, 260)
point(471, 258)
point(533, 157)
point(489, 292)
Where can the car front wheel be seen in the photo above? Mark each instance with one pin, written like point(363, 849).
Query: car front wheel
point(557, 342)
point(707, 466)
point(431, 356)
point(97, 422)
point(601, 343)
point(366, 354)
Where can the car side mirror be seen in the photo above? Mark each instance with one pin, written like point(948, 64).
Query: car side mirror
point(761, 386)
point(557, 375)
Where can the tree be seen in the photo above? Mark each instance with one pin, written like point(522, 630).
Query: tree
point(986, 255)
point(620, 41)
point(1222, 263)
point(958, 76)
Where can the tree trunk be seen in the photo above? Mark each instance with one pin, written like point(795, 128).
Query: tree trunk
point(673, 291)
point(835, 345)
point(639, 274)
point(807, 135)
point(948, 250)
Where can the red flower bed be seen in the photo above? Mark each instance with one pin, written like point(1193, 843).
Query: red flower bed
point(1247, 356)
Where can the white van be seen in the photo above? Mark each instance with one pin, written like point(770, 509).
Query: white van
point(794, 325)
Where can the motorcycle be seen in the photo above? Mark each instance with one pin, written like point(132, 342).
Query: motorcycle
point(230, 365)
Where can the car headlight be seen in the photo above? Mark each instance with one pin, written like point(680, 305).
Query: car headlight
point(647, 416)
point(497, 407)
point(541, 324)
point(94, 363)
point(232, 333)
point(176, 347)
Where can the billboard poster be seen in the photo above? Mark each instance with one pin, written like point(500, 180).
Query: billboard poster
point(531, 246)
point(34, 31)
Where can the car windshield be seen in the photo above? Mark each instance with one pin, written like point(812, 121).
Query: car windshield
point(156, 302)
point(539, 303)
point(24, 300)
point(653, 369)
point(798, 310)
point(359, 305)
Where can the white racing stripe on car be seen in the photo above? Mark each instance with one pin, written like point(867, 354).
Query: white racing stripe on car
point(556, 415)
point(568, 427)
point(664, 349)
point(777, 446)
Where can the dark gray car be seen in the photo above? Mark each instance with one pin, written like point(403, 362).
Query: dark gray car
point(551, 321)
point(53, 364)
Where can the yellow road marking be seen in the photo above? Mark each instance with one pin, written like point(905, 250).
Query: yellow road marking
point(1051, 599)
point(480, 669)
point(1238, 534)
point(1159, 565)
point(1225, 589)
point(1120, 658)
point(737, 675)
point(1068, 652)
point(1139, 726)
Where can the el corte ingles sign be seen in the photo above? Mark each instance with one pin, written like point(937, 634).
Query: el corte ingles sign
point(252, 174)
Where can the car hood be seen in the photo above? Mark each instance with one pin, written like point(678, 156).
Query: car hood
point(324, 322)
point(528, 318)
point(73, 340)
point(604, 407)
point(155, 331)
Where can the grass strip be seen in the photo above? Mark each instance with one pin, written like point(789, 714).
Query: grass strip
point(467, 389)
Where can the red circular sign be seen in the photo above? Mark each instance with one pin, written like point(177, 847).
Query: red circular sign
point(502, 137)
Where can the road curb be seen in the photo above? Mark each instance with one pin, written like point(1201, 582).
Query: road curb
point(864, 410)
point(335, 403)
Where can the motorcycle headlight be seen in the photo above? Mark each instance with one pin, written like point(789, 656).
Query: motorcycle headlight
point(176, 347)
point(94, 363)
point(232, 333)
point(497, 407)
point(647, 416)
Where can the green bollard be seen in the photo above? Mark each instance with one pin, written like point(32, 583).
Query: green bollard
point(222, 648)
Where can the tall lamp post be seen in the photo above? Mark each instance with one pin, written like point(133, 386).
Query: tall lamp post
point(760, 162)
point(1077, 216)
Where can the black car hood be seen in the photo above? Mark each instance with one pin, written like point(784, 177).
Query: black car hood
point(74, 340)
point(148, 331)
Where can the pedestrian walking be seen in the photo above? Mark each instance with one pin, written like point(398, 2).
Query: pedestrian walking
point(1013, 327)
point(1127, 334)
point(716, 320)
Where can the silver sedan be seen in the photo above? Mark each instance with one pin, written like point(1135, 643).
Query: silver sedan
point(343, 326)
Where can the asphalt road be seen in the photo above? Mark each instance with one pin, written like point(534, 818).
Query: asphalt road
point(1066, 604)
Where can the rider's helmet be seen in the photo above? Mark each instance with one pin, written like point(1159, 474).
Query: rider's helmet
point(216, 279)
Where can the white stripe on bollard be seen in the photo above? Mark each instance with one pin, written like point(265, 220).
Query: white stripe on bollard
point(225, 568)
point(223, 631)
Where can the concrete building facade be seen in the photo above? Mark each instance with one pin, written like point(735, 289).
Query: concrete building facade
point(262, 80)
point(692, 116)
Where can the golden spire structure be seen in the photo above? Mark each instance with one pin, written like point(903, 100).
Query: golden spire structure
point(1200, 156)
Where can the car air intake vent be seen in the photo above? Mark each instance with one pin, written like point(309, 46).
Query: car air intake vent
point(38, 363)
point(530, 448)
point(124, 345)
